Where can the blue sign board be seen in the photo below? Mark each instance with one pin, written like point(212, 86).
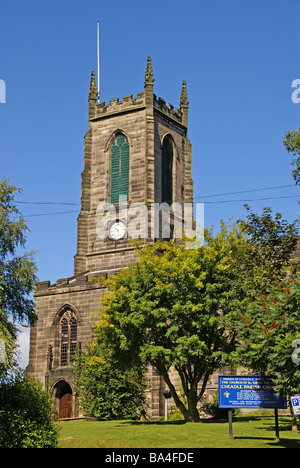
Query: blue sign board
point(248, 391)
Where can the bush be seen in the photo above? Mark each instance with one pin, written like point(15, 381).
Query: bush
point(213, 410)
point(26, 415)
point(106, 391)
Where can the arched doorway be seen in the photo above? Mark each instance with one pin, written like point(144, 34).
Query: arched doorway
point(63, 399)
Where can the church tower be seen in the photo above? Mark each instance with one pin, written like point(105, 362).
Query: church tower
point(137, 156)
point(136, 151)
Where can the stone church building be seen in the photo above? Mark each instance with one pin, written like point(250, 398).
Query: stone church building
point(137, 149)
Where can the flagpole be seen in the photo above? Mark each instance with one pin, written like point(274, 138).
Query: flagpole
point(98, 58)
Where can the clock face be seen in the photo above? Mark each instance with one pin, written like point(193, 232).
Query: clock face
point(117, 230)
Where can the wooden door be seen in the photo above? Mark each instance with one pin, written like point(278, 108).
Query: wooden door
point(65, 406)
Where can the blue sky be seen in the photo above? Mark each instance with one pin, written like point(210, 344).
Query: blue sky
point(239, 58)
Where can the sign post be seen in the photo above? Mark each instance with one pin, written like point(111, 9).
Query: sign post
point(230, 423)
point(295, 400)
point(251, 392)
point(276, 424)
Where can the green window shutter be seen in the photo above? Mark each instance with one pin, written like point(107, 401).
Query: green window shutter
point(119, 171)
point(167, 172)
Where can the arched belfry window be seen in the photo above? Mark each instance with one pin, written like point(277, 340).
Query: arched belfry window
point(68, 343)
point(167, 171)
point(119, 169)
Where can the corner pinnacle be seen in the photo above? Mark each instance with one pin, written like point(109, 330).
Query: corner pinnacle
point(149, 73)
point(93, 90)
point(184, 97)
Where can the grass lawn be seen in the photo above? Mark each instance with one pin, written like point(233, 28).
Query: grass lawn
point(251, 431)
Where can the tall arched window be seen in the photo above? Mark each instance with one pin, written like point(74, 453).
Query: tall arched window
point(68, 343)
point(119, 169)
point(167, 171)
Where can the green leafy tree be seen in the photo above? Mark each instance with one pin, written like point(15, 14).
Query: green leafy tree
point(268, 254)
point(17, 271)
point(268, 335)
point(291, 142)
point(265, 258)
point(25, 408)
point(26, 414)
point(170, 309)
point(108, 391)
point(165, 310)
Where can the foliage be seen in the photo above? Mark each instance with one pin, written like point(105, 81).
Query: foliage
point(17, 271)
point(25, 415)
point(25, 409)
point(267, 255)
point(291, 142)
point(267, 332)
point(264, 259)
point(164, 310)
point(107, 391)
point(173, 307)
point(212, 409)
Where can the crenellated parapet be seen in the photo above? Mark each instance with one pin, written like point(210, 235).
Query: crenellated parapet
point(168, 109)
point(115, 106)
point(146, 99)
point(130, 103)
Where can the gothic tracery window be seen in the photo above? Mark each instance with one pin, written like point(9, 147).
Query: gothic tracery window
point(68, 344)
